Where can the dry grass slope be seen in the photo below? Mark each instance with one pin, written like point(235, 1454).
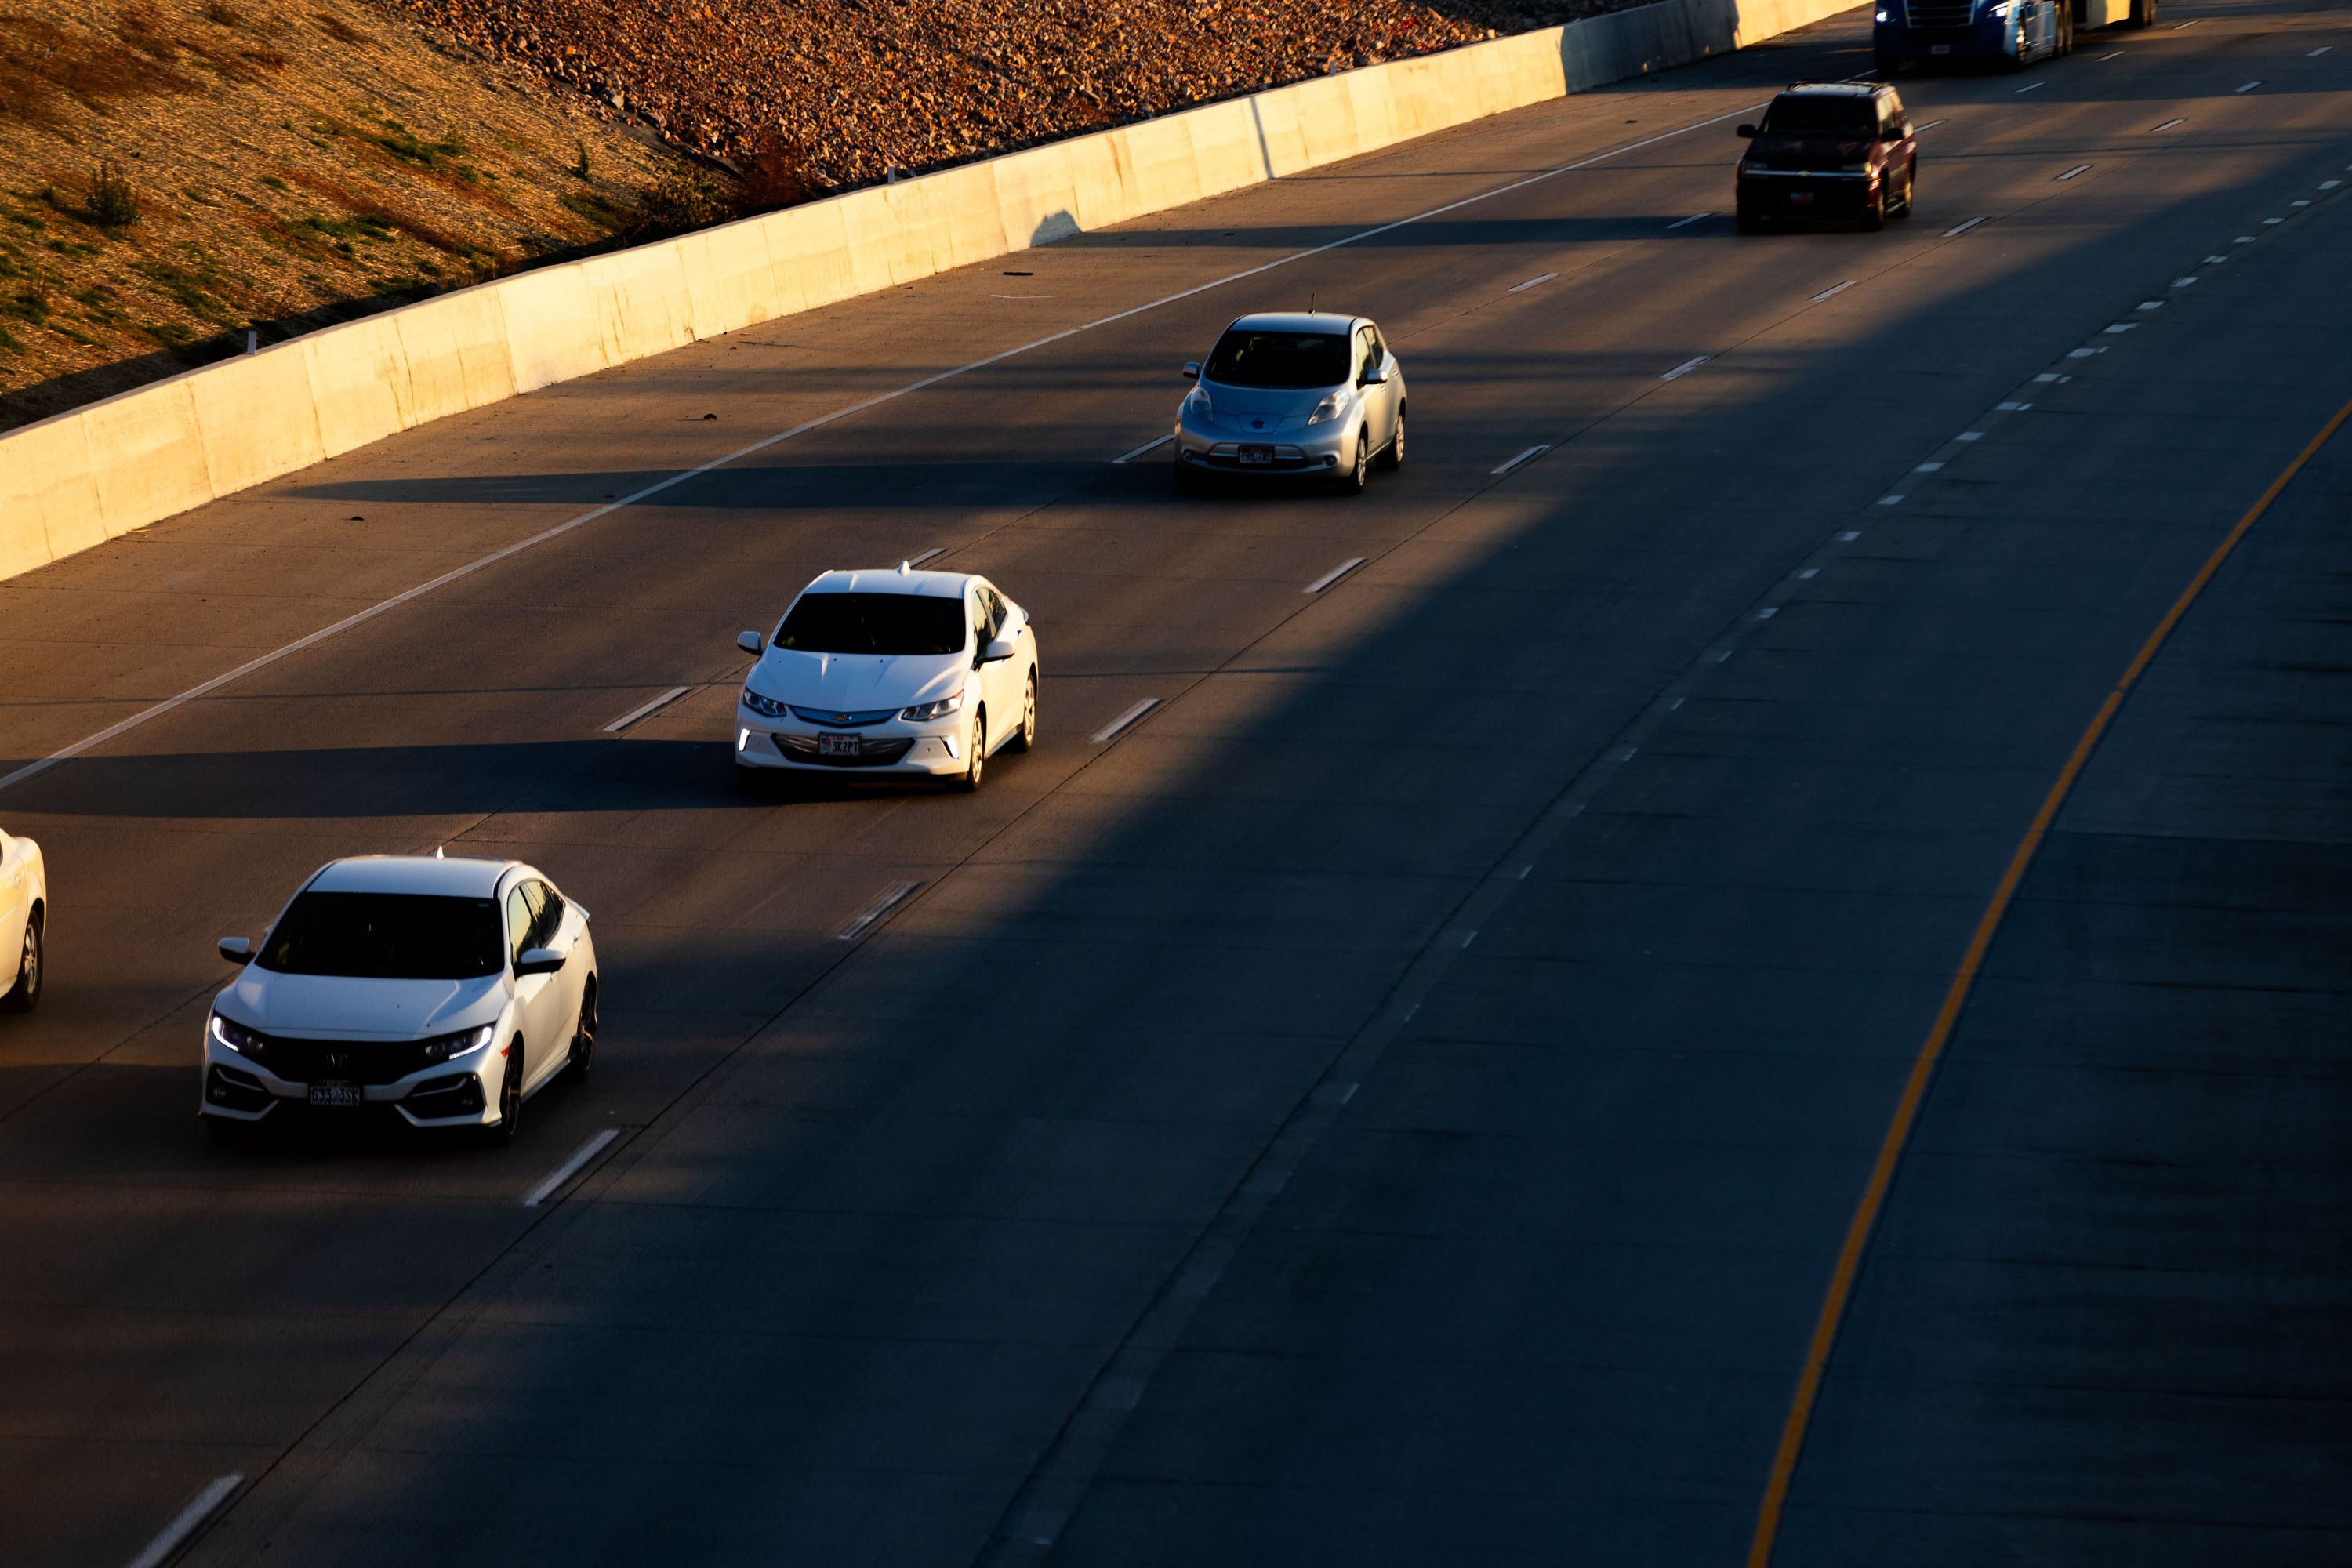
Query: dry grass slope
point(174, 172)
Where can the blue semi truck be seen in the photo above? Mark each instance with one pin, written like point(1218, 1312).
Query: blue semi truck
point(2013, 33)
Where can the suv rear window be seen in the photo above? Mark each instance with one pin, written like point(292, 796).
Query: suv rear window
point(874, 623)
point(1798, 116)
point(386, 936)
point(1287, 360)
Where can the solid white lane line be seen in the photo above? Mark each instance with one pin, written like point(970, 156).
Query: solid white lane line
point(1523, 287)
point(1833, 292)
point(2251, 86)
point(1529, 456)
point(183, 1524)
point(1125, 721)
point(1929, 126)
point(1686, 222)
point(1333, 575)
point(569, 1168)
point(2169, 125)
point(1151, 445)
point(1685, 368)
point(1962, 229)
point(2077, 169)
point(925, 555)
point(871, 915)
point(848, 410)
point(645, 710)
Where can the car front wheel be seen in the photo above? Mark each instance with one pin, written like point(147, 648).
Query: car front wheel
point(976, 764)
point(1393, 455)
point(1352, 482)
point(582, 1059)
point(1026, 737)
point(24, 994)
point(503, 1131)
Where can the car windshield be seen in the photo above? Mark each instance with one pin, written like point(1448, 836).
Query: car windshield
point(1295, 360)
point(1844, 117)
point(874, 623)
point(386, 936)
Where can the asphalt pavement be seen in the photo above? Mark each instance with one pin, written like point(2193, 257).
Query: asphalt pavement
point(1399, 1100)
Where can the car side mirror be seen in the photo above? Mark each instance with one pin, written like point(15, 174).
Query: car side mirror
point(1191, 370)
point(1375, 378)
point(996, 652)
point(1895, 133)
point(1746, 132)
point(537, 961)
point(236, 950)
point(750, 642)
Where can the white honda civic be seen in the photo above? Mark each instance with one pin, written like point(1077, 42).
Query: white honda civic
point(449, 990)
point(890, 673)
point(24, 922)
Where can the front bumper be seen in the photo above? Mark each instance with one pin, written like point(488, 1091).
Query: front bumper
point(457, 1093)
point(1804, 192)
point(893, 749)
point(1317, 451)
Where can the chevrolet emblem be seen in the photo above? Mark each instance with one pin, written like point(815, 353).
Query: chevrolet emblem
point(841, 718)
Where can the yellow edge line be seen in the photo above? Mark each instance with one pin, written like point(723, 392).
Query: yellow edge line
point(1914, 1088)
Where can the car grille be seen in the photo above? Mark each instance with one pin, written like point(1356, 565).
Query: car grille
point(1940, 12)
point(873, 751)
point(833, 721)
point(347, 1061)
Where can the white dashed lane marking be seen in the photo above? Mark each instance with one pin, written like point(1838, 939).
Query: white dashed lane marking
point(1685, 368)
point(2033, 87)
point(1529, 456)
point(1962, 229)
point(2251, 86)
point(569, 1168)
point(183, 1523)
point(1127, 721)
point(647, 709)
point(1833, 292)
point(873, 914)
point(925, 555)
point(2077, 169)
point(1686, 222)
point(1151, 445)
point(1334, 574)
point(2169, 125)
point(1523, 287)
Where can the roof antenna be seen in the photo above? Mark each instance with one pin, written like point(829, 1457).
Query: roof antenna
point(905, 567)
point(437, 852)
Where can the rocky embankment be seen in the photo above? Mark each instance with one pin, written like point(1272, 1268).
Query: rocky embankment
point(806, 95)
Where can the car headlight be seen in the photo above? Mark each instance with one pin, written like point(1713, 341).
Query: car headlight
point(1881, 16)
point(240, 1039)
point(921, 712)
point(1327, 410)
point(764, 706)
point(1861, 168)
point(1197, 405)
point(443, 1047)
point(1997, 12)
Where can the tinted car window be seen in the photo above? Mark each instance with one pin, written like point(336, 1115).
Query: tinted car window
point(1298, 359)
point(386, 936)
point(1850, 117)
point(873, 623)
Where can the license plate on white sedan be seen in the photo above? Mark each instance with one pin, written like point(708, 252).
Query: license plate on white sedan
point(346, 1094)
point(1258, 454)
point(1800, 198)
point(836, 745)
point(1939, 48)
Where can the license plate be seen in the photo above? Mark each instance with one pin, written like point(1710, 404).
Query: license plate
point(836, 745)
point(1258, 454)
point(1939, 48)
point(334, 1094)
point(1800, 198)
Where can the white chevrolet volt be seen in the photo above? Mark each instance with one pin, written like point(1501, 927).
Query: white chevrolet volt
point(24, 922)
point(448, 990)
point(890, 673)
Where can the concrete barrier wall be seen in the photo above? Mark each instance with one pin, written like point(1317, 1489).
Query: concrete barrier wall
point(85, 477)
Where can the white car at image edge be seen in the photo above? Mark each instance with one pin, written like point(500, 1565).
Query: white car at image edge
point(24, 923)
point(445, 991)
point(895, 673)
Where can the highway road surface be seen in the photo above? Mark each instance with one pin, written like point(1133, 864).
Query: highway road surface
point(1405, 1099)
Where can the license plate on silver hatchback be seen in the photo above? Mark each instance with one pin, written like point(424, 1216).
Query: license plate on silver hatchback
point(836, 745)
point(1257, 455)
point(341, 1094)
